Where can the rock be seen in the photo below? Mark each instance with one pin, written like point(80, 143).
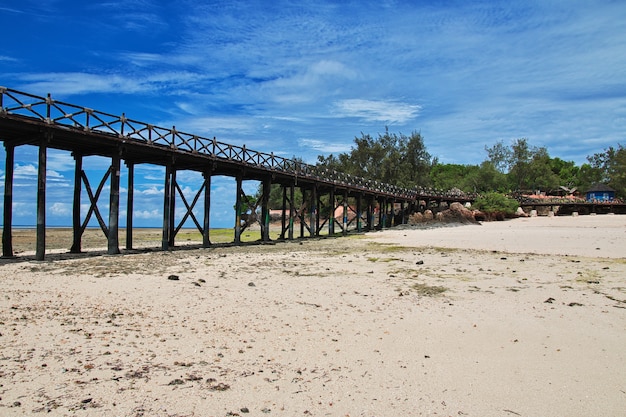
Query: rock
point(457, 213)
point(173, 278)
point(416, 218)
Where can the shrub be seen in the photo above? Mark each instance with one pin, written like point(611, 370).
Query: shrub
point(496, 203)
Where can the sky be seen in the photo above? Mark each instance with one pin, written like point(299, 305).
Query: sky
point(304, 78)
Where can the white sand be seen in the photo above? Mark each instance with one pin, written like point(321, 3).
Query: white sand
point(337, 327)
point(593, 236)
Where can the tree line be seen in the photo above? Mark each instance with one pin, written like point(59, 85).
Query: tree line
point(516, 167)
point(404, 161)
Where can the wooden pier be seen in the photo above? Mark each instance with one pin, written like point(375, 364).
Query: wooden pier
point(27, 119)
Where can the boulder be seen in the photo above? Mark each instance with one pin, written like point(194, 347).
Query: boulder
point(416, 218)
point(457, 213)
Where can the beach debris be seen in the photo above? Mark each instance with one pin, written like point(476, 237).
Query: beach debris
point(420, 262)
point(176, 381)
point(428, 290)
point(574, 304)
point(549, 300)
point(173, 277)
point(220, 386)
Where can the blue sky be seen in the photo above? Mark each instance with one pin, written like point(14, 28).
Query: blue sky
point(303, 78)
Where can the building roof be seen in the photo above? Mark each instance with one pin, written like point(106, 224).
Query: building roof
point(599, 187)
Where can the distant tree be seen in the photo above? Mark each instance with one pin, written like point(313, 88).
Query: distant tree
point(418, 161)
point(611, 167)
point(568, 173)
point(448, 176)
point(588, 176)
point(521, 155)
point(540, 173)
point(391, 158)
point(500, 156)
point(488, 179)
point(526, 167)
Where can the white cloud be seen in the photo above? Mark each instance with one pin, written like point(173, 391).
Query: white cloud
point(324, 146)
point(73, 83)
point(154, 214)
point(24, 172)
point(150, 191)
point(387, 111)
point(60, 209)
point(211, 126)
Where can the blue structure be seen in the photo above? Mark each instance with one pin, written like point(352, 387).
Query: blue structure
point(601, 193)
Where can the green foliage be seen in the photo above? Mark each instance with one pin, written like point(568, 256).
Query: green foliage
point(247, 203)
point(468, 178)
point(495, 203)
point(404, 161)
point(392, 158)
point(610, 167)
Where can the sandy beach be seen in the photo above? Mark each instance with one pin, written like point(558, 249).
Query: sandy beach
point(525, 317)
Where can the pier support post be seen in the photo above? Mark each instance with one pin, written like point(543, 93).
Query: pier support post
point(172, 231)
point(359, 211)
point(344, 203)
point(292, 209)
point(130, 204)
point(76, 226)
point(40, 250)
point(113, 245)
point(167, 191)
point(331, 212)
point(370, 214)
point(7, 237)
point(265, 211)
point(313, 212)
point(206, 242)
point(303, 206)
point(238, 210)
point(283, 216)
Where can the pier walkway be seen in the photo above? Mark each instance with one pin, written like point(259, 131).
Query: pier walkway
point(27, 119)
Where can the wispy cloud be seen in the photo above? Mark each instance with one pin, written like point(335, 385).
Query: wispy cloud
point(387, 111)
point(78, 83)
point(324, 147)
